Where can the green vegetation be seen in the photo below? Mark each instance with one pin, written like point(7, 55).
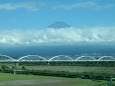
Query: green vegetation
point(78, 63)
point(57, 73)
point(28, 76)
point(31, 80)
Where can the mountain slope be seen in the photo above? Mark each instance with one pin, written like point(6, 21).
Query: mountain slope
point(59, 25)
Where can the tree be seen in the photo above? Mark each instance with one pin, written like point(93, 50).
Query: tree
point(3, 67)
point(23, 67)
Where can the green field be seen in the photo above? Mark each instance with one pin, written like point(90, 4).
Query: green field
point(33, 80)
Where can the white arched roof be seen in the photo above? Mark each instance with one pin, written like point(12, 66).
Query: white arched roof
point(61, 58)
point(32, 58)
point(106, 58)
point(6, 58)
point(85, 58)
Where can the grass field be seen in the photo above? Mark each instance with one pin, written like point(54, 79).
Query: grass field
point(32, 80)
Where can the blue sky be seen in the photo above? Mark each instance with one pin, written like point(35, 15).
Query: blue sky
point(29, 14)
point(24, 16)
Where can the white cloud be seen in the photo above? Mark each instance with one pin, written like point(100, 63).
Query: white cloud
point(59, 36)
point(89, 4)
point(30, 6)
point(76, 5)
point(100, 7)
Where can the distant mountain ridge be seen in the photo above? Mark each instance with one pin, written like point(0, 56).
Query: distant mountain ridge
point(59, 24)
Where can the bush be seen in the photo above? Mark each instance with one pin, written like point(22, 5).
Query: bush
point(3, 67)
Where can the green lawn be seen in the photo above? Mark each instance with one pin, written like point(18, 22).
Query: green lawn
point(33, 80)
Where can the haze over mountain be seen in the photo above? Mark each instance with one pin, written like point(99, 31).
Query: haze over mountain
point(59, 24)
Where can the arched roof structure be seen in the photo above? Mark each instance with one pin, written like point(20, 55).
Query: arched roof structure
point(61, 58)
point(5, 58)
point(29, 58)
point(85, 58)
point(106, 58)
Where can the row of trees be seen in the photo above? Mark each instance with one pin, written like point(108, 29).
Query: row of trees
point(80, 63)
point(109, 64)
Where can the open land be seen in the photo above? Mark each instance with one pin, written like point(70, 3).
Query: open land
point(7, 79)
point(33, 80)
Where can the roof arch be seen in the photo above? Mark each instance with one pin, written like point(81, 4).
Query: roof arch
point(106, 58)
point(31, 58)
point(85, 58)
point(5, 58)
point(61, 58)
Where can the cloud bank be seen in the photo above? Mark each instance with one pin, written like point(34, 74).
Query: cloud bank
point(61, 36)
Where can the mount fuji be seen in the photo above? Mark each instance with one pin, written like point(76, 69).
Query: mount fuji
point(59, 24)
